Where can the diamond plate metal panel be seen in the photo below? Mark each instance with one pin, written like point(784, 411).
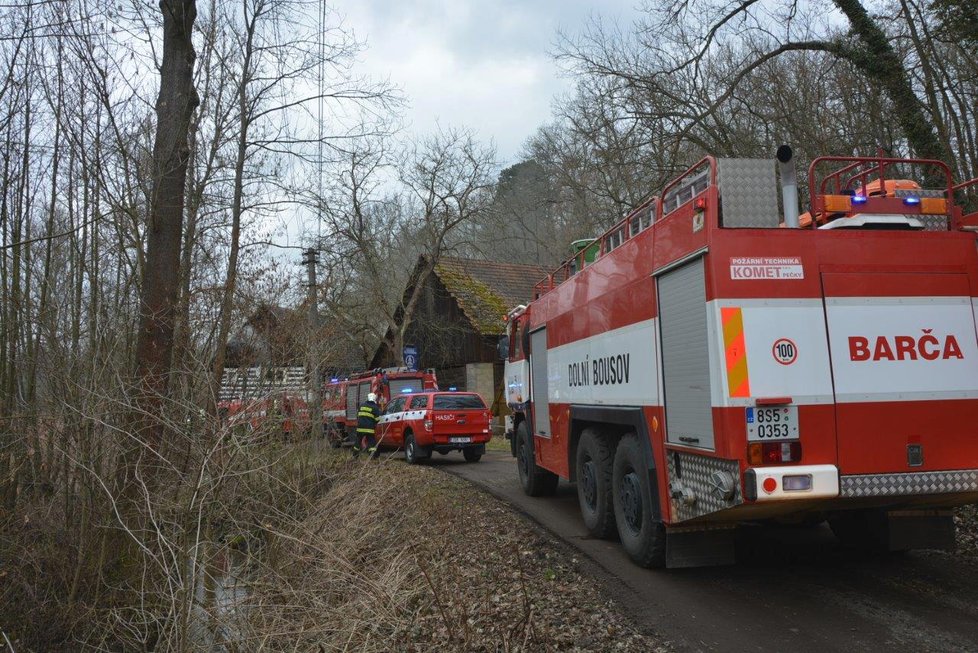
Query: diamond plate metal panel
point(694, 473)
point(748, 193)
point(894, 485)
point(933, 222)
point(918, 192)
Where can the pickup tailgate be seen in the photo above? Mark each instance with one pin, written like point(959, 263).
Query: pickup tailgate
point(460, 416)
point(904, 356)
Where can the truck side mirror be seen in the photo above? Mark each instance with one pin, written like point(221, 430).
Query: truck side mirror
point(502, 347)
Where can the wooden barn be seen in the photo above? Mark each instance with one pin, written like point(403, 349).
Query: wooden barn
point(459, 320)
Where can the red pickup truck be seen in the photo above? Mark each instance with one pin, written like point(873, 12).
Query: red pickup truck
point(423, 422)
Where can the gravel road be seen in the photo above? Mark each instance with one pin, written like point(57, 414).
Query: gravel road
point(793, 588)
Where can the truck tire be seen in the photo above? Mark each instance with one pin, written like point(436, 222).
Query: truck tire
point(536, 482)
point(472, 455)
point(413, 453)
point(595, 456)
point(642, 536)
point(335, 437)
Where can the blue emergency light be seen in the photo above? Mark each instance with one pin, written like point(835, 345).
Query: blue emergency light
point(858, 199)
point(911, 200)
point(452, 388)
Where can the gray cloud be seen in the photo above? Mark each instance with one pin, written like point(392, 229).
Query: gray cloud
point(480, 64)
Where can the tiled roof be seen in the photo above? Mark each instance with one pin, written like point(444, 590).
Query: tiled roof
point(486, 290)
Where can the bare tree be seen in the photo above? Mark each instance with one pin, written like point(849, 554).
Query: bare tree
point(445, 181)
point(690, 40)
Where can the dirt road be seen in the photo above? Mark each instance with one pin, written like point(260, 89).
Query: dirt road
point(792, 588)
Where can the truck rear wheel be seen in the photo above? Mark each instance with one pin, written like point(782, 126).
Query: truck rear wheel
point(472, 454)
point(536, 482)
point(594, 459)
point(334, 435)
point(413, 454)
point(642, 536)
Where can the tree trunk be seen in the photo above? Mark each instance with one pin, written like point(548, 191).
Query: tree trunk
point(160, 279)
point(231, 282)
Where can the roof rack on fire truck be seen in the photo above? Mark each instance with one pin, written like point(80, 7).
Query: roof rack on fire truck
point(878, 190)
point(861, 192)
point(689, 185)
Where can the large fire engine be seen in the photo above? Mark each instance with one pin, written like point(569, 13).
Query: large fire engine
point(707, 361)
point(385, 383)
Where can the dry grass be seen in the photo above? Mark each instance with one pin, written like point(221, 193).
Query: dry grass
point(409, 559)
point(498, 443)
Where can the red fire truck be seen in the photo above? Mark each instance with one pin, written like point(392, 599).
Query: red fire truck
point(711, 362)
point(334, 411)
point(283, 414)
point(385, 383)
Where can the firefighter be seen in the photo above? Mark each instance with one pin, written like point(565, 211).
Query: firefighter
point(367, 418)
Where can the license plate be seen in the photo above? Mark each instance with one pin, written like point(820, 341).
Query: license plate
point(774, 423)
point(460, 440)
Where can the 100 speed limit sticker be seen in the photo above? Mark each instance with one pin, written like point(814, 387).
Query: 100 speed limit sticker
point(785, 351)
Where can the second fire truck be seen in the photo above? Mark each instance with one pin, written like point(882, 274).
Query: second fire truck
point(343, 398)
point(711, 361)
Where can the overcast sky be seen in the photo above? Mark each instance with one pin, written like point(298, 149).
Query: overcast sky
point(484, 64)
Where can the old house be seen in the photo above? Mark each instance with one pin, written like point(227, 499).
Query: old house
point(269, 353)
point(459, 320)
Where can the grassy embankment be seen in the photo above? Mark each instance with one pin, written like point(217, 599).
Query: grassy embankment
point(407, 558)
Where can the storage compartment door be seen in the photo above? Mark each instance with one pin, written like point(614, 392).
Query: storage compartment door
point(538, 378)
point(905, 369)
point(686, 355)
point(352, 401)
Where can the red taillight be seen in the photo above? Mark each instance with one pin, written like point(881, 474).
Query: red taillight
point(427, 421)
point(700, 204)
point(773, 453)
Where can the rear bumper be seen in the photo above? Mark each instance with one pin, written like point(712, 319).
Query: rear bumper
point(909, 484)
point(827, 483)
point(768, 483)
point(445, 440)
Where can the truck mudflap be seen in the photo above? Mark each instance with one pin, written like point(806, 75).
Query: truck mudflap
point(909, 484)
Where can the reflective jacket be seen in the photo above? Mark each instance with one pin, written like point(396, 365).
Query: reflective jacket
point(367, 417)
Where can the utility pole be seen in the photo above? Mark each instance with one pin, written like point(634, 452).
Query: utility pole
point(310, 258)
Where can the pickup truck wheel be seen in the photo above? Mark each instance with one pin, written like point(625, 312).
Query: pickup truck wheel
point(642, 536)
point(536, 482)
point(412, 452)
point(472, 455)
point(594, 457)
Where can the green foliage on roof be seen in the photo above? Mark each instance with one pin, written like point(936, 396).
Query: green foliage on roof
point(477, 300)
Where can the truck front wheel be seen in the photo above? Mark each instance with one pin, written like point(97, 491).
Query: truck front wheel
point(536, 482)
point(642, 536)
point(594, 458)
